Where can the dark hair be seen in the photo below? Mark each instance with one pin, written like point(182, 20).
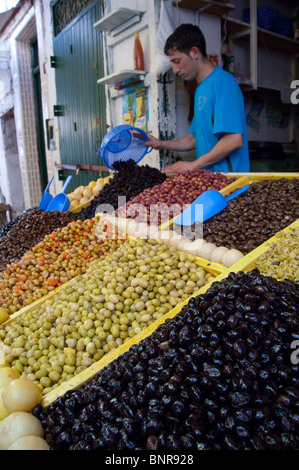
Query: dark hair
point(184, 38)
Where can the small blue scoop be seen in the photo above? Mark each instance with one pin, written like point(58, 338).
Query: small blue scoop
point(60, 202)
point(206, 206)
point(46, 197)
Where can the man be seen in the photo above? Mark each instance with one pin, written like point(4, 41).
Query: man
point(218, 129)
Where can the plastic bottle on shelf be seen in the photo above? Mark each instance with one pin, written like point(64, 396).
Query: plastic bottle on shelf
point(230, 62)
point(138, 54)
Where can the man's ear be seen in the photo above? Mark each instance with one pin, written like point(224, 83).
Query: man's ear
point(194, 53)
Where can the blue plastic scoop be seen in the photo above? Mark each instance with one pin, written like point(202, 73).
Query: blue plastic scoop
point(60, 202)
point(206, 206)
point(46, 197)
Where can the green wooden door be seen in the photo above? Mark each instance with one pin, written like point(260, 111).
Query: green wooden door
point(78, 52)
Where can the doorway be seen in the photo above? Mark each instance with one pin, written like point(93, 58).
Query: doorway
point(38, 113)
point(82, 125)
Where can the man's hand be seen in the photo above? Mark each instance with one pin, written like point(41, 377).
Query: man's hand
point(180, 167)
point(153, 142)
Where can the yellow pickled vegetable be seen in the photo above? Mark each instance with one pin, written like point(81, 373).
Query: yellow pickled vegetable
point(92, 184)
point(21, 395)
point(3, 315)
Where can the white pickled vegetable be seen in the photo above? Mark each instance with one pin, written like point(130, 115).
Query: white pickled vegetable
point(3, 411)
point(231, 257)
point(218, 253)
point(132, 228)
point(7, 374)
point(166, 235)
point(30, 443)
point(21, 395)
point(206, 250)
point(121, 224)
point(17, 425)
point(142, 230)
point(87, 193)
point(97, 189)
point(198, 243)
point(176, 239)
point(187, 246)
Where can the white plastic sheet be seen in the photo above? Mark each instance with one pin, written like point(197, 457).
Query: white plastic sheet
point(167, 24)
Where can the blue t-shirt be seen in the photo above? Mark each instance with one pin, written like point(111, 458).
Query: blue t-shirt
point(218, 109)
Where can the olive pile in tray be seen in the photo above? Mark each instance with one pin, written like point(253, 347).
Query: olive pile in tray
point(129, 180)
point(27, 229)
point(222, 374)
point(251, 218)
point(254, 216)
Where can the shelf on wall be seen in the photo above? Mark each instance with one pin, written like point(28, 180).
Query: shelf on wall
point(210, 7)
point(117, 18)
point(118, 77)
point(234, 26)
point(245, 84)
point(277, 41)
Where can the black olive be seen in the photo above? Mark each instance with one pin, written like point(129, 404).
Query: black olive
point(172, 443)
point(178, 408)
point(230, 443)
point(63, 440)
point(152, 443)
point(197, 390)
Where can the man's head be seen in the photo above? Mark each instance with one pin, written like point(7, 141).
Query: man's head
point(184, 39)
point(186, 48)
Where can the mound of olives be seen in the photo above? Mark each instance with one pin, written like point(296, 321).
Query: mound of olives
point(27, 229)
point(281, 260)
point(114, 300)
point(56, 259)
point(254, 216)
point(219, 375)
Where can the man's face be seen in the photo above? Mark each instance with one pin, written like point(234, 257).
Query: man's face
point(184, 65)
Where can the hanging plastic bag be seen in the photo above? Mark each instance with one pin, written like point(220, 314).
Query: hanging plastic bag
point(166, 27)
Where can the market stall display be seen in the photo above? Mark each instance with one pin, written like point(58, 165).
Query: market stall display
point(281, 259)
point(229, 383)
point(220, 256)
point(114, 300)
point(252, 217)
point(216, 376)
point(129, 180)
point(83, 195)
point(27, 230)
point(60, 256)
point(5, 229)
point(162, 202)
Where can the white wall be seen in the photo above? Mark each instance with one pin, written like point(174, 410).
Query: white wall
point(44, 27)
point(10, 174)
point(119, 57)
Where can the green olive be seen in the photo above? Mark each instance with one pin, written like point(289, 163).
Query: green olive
point(116, 298)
